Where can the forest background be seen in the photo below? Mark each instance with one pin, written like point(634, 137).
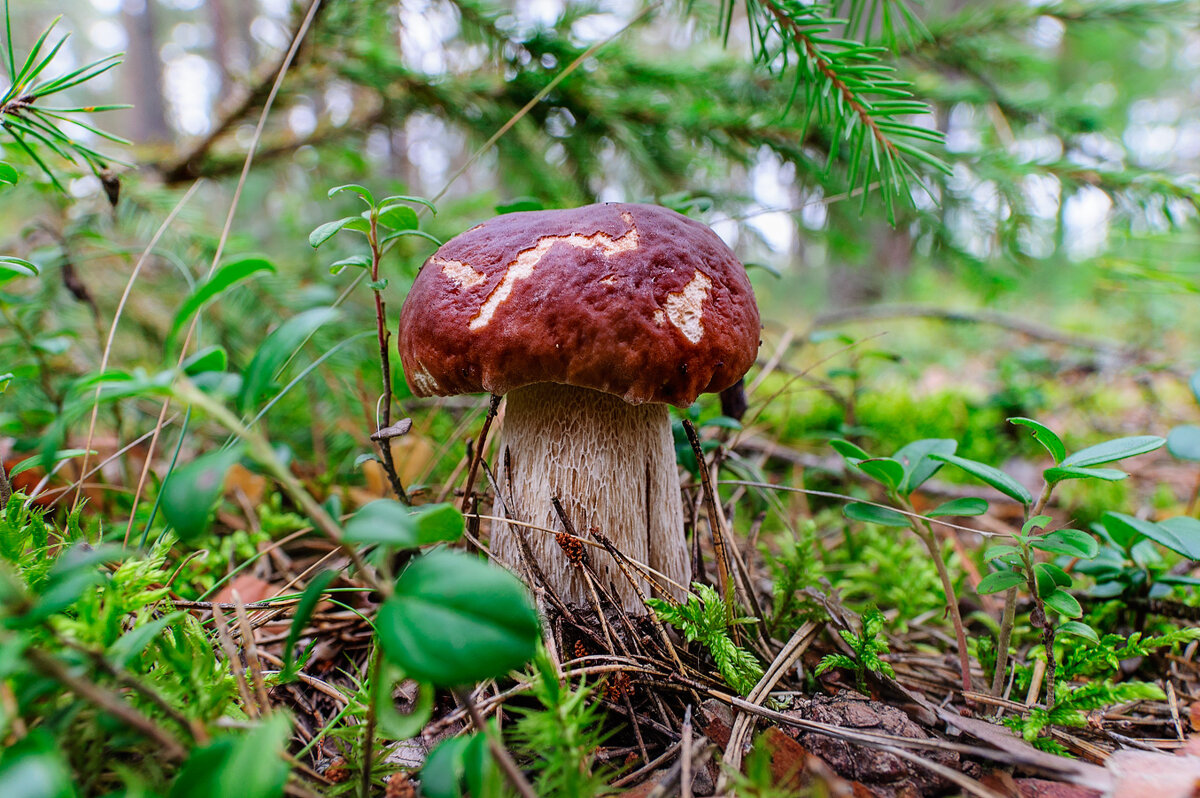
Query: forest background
point(953, 214)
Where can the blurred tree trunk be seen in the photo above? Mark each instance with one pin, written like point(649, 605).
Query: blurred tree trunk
point(144, 70)
point(222, 37)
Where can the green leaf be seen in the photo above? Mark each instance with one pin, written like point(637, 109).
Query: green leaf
point(304, 609)
point(1037, 522)
point(11, 267)
point(8, 174)
point(1063, 602)
point(1187, 531)
point(34, 767)
point(398, 217)
point(966, 506)
point(1050, 577)
point(392, 723)
point(394, 198)
point(357, 189)
point(1118, 449)
point(357, 261)
point(883, 470)
point(248, 764)
point(455, 620)
point(918, 468)
point(1043, 435)
point(520, 204)
point(388, 239)
point(848, 450)
point(992, 476)
point(998, 581)
point(1002, 550)
point(442, 774)
point(389, 522)
point(1126, 529)
point(1071, 542)
point(1079, 629)
point(483, 777)
point(280, 345)
point(1184, 442)
point(328, 230)
point(191, 492)
point(56, 457)
point(210, 358)
point(75, 571)
point(1060, 473)
point(224, 278)
point(131, 644)
point(870, 514)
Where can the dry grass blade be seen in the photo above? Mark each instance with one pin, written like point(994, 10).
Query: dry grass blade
point(235, 664)
point(224, 238)
point(743, 723)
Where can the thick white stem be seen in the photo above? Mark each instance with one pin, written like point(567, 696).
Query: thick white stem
point(612, 466)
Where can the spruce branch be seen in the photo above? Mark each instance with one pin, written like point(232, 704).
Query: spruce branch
point(865, 106)
point(30, 124)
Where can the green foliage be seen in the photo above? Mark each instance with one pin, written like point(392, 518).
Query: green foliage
point(33, 125)
point(561, 737)
point(704, 617)
point(455, 619)
point(797, 566)
point(1070, 710)
point(865, 106)
point(248, 763)
point(867, 646)
point(1102, 659)
point(877, 566)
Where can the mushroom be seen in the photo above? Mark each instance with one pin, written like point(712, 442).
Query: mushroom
point(591, 321)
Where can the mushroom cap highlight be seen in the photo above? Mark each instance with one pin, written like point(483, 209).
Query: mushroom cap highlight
point(634, 300)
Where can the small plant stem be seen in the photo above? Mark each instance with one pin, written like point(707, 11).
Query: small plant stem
point(1039, 620)
point(1006, 626)
point(1010, 604)
point(261, 450)
point(714, 526)
point(126, 679)
point(927, 536)
point(385, 364)
point(109, 702)
point(477, 455)
point(43, 366)
point(515, 777)
point(369, 733)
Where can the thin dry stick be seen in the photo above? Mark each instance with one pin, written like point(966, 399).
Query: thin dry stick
point(831, 495)
point(235, 664)
point(237, 195)
point(112, 332)
point(527, 558)
point(742, 722)
point(252, 660)
point(714, 527)
point(621, 559)
point(477, 455)
point(685, 755)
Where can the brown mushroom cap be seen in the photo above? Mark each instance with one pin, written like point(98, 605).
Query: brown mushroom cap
point(634, 300)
